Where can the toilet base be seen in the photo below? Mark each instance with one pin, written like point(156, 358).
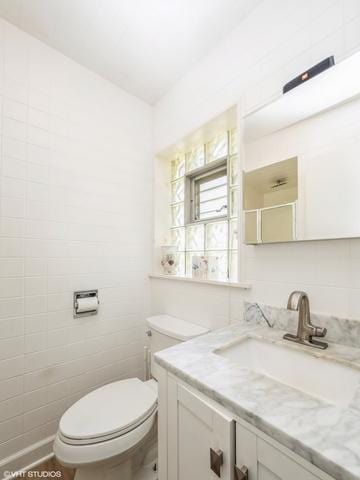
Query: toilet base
point(139, 463)
point(120, 472)
point(146, 472)
point(123, 472)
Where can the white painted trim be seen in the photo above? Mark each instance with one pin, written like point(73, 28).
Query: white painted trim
point(27, 458)
point(245, 286)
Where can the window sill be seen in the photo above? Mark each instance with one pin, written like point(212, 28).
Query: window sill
point(245, 286)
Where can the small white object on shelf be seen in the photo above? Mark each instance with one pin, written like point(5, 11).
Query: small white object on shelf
point(169, 260)
point(199, 267)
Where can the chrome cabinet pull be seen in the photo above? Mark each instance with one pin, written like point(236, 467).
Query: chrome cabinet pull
point(241, 473)
point(216, 460)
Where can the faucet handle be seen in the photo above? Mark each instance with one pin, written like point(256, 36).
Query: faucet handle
point(320, 332)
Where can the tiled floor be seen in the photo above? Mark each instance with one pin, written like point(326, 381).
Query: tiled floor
point(53, 466)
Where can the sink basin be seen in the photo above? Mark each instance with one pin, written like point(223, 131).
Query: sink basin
point(325, 379)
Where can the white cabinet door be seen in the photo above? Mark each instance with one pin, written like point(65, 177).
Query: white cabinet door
point(266, 462)
point(194, 428)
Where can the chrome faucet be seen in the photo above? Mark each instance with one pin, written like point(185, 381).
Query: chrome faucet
point(306, 330)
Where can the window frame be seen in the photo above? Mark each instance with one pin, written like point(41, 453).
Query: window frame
point(193, 180)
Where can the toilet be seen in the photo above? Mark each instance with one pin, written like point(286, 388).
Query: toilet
point(110, 433)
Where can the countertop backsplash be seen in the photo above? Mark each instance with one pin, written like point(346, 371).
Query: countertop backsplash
point(339, 330)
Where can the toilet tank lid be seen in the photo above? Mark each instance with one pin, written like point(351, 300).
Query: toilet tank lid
point(175, 327)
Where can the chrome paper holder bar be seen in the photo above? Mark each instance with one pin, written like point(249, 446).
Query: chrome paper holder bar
point(85, 294)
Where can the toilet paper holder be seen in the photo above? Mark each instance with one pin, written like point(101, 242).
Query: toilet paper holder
point(90, 297)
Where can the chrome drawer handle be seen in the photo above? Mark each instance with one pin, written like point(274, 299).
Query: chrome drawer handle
point(241, 473)
point(216, 460)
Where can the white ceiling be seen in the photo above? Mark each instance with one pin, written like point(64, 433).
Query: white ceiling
point(143, 46)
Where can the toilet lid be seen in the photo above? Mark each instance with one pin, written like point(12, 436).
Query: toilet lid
point(108, 411)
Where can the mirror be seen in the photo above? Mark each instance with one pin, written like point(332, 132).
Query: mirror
point(270, 196)
point(301, 178)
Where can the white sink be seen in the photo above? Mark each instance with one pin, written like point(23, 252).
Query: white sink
point(325, 379)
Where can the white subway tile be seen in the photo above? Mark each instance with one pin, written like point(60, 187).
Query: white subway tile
point(37, 173)
point(61, 301)
point(11, 267)
point(11, 327)
point(38, 118)
point(15, 129)
point(38, 192)
point(38, 155)
point(35, 323)
point(41, 397)
point(12, 207)
point(14, 110)
point(44, 414)
point(35, 286)
point(38, 136)
point(37, 434)
point(11, 428)
point(11, 368)
point(48, 376)
point(10, 388)
point(35, 342)
point(12, 227)
point(39, 100)
point(35, 248)
point(14, 167)
point(12, 187)
point(11, 347)
point(11, 287)
point(35, 304)
point(35, 266)
point(15, 90)
point(11, 307)
point(14, 149)
point(11, 408)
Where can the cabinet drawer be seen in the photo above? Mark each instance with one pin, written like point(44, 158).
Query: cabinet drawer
point(279, 464)
point(267, 461)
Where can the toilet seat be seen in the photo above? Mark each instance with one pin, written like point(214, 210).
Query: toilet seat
point(108, 412)
point(78, 456)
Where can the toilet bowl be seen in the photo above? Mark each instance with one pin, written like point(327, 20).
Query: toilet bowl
point(109, 432)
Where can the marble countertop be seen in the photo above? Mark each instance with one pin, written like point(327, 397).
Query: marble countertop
point(328, 436)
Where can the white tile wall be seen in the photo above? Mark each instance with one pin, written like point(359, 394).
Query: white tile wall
point(75, 213)
point(278, 40)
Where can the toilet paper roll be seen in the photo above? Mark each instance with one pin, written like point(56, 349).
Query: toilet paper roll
point(87, 304)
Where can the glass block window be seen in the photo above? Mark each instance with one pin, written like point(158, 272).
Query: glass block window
point(178, 167)
point(218, 148)
point(178, 238)
point(177, 191)
point(204, 193)
point(195, 158)
point(216, 236)
point(195, 237)
point(177, 215)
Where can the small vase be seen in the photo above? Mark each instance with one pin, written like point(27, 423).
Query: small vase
point(200, 266)
point(169, 260)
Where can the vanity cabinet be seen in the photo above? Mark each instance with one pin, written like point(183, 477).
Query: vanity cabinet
point(266, 462)
point(200, 440)
point(196, 433)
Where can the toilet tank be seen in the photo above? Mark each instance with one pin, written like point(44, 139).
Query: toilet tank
point(164, 331)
